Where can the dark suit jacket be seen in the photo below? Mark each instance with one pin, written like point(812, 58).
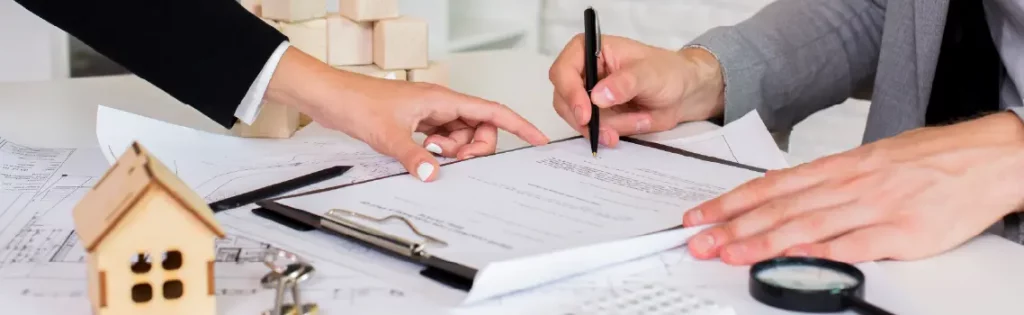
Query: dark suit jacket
point(205, 53)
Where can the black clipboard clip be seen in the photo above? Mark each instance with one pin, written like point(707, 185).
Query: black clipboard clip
point(346, 224)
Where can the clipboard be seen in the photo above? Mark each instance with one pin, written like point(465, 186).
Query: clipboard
point(340, 223)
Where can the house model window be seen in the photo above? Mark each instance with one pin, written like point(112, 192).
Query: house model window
point(149, 240)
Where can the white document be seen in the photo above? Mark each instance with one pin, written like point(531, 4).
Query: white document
point(710, 279)
point(538, 201)
point(745, 140)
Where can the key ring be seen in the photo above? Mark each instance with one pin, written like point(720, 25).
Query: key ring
point(273, 257)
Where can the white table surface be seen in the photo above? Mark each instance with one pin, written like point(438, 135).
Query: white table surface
point(981, 277)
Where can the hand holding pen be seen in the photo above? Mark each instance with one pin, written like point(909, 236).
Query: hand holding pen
point(636, 88)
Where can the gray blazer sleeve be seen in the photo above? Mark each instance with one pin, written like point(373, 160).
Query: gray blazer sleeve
point(795, 57)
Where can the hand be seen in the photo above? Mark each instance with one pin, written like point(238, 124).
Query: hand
point(644, 88)
point(908, 197)
point(385, 113)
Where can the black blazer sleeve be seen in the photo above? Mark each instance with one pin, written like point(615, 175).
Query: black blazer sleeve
point(205, 53)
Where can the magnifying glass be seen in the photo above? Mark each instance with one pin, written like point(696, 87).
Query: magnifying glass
point(812, 285)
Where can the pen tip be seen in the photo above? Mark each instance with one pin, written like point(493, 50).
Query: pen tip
point(595, 154)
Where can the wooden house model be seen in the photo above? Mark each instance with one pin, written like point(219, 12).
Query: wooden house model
point(149, 240)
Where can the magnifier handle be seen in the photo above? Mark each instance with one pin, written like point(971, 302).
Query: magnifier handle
point(865, 308)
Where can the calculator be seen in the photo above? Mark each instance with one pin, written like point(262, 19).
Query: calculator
point(651, 299)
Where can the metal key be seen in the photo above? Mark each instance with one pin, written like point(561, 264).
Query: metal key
point(289, 279)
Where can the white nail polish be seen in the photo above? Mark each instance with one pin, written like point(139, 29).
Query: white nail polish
point(432, 147)
point(643, 125)
point(425, 170)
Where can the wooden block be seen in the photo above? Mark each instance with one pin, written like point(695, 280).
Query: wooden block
point(276, 25)
point(400, 43)
point(435, 72)
point(375, 71)
point(274, 121)
point(308, 36)
point(293, 10)
point(368, 10)
point(349, 42)
point(304, 120)
point(253, 6)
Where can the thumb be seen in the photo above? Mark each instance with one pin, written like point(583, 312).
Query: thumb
point(623, 85)
point(416, 159)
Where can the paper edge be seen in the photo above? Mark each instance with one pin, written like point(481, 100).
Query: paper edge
point(104, 147)
point(494, 270)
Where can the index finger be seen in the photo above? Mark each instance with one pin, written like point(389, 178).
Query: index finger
point(566, 74)
point(749, 195)
point(500, 116)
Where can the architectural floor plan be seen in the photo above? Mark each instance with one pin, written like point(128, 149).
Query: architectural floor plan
point(42, 263)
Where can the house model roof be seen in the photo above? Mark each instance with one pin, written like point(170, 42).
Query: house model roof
point(135, 174)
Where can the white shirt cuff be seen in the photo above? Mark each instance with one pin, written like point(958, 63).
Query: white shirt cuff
point(249, 109)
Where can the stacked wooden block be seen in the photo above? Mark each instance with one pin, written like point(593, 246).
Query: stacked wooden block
point(369, 37)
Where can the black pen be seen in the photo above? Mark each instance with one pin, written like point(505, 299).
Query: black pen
point(279, 188)
point(592, 43)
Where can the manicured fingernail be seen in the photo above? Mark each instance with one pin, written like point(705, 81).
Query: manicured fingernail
point(602, 138)
point(607, 94)
point(424, 170)
point(432, 147)
point(468, 157)
point(704, 243)
point(695, 216)
point(643, 125)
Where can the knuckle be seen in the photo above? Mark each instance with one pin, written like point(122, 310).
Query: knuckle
point(777, 210)
point(758, 189)
point(576, 39)
point(870, 210)
point(816, 223)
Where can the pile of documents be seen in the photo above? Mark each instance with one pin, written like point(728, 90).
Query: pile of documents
point(533, 230)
